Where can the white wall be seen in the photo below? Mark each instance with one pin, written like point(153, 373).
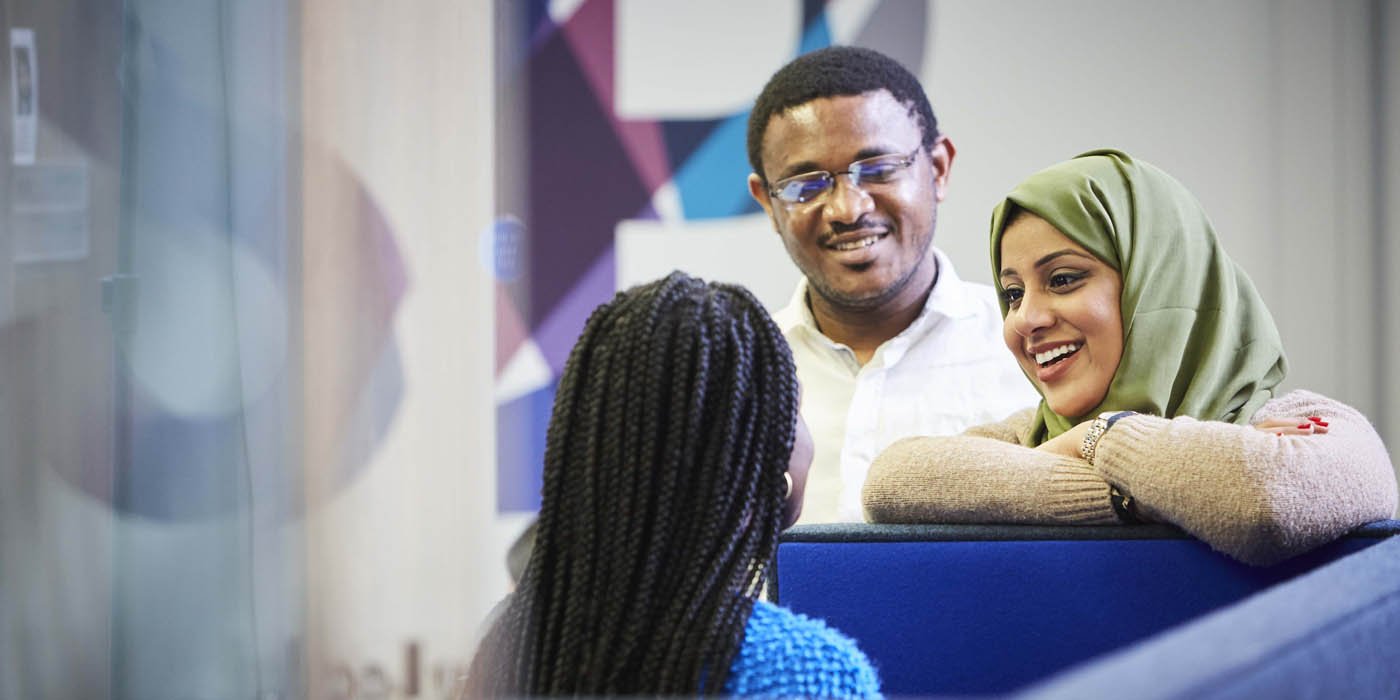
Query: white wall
point(1387, 246)
point(409, 550)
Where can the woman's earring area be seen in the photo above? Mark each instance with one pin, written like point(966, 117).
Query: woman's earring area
point(787, 476)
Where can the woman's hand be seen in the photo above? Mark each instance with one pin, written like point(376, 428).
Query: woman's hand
point(1311, 425)
point(1067, 444)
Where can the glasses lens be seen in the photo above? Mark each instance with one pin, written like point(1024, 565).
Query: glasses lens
point(803, 188)
point(882, 169)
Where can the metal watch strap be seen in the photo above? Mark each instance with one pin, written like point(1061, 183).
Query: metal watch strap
point(1091, 439)
point(1096, 431)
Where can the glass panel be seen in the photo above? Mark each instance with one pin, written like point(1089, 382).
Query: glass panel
point(149, 515)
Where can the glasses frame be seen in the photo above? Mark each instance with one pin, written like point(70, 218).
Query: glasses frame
point(830, 177)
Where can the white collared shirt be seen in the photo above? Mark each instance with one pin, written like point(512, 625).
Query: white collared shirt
point(948, 371)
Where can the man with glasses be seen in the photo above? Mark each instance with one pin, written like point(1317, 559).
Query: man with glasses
point(850, 166)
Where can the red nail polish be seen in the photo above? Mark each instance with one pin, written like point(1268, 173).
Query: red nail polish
point(1322, 423)
point(1305, 426)
point(1315, 419)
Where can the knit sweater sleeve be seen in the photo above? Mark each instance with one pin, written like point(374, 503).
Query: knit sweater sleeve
point(789, 655)
point(983, 476)
point(1251, 494)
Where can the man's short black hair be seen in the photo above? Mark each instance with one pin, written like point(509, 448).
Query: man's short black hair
point(830, 72)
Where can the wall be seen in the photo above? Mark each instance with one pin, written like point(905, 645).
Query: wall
point(1385, 32)
point(404, 551)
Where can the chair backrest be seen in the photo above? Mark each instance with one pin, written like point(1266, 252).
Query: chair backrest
point(969, 609)
point(1331, 633)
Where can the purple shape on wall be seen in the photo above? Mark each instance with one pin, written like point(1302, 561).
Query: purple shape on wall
point(561, 328)
point(580, 180)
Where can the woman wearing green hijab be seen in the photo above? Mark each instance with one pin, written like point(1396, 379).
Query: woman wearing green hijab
point(1157, 363)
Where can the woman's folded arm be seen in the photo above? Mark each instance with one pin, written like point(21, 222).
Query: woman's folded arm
point(972, 478)
point(1252, 494)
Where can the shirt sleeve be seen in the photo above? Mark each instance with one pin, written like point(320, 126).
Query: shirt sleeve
point(1254, 495)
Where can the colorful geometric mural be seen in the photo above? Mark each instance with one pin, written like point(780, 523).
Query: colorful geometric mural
point(569, 169)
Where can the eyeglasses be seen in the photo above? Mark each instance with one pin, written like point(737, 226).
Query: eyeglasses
point(803, 188)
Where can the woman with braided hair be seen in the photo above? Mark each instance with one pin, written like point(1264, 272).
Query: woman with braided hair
point(674, 457)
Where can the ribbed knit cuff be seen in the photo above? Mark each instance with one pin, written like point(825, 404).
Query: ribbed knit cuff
point(1079, 495)
point(1126, 447)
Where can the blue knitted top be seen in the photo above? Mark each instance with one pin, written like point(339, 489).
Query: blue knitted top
point(787, 655)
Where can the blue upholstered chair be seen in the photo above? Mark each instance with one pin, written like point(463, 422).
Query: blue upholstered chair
point(1331, 633)
point(977, 610)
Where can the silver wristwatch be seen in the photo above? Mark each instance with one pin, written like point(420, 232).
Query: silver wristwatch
point(1096, 431)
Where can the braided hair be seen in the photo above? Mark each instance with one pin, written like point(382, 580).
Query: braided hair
point(662, 501)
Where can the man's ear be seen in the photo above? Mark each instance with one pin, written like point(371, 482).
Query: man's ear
point(941, 156)
point(759, 191)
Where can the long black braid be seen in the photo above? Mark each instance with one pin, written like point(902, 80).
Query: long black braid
point(663, 497)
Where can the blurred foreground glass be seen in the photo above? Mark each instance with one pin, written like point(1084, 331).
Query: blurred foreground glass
point(149, 530)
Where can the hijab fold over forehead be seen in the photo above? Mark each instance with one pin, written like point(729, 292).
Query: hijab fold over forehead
point(1198, 340)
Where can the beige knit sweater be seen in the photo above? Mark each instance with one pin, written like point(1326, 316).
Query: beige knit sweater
point(1253, 495)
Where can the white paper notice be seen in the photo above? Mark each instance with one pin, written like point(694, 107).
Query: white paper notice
point(49, 212)
point(24, 94)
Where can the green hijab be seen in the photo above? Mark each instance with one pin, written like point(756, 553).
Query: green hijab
point(1198, 340)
